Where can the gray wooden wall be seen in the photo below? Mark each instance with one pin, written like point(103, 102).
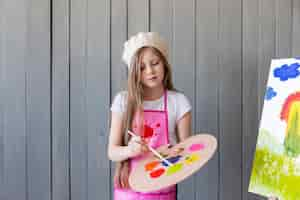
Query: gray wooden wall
point(60, 66)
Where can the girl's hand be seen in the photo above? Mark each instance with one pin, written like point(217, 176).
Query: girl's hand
point(117, 175)
point(122, 175)
point(136, 146)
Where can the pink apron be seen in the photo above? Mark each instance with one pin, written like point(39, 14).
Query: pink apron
point(156, 129)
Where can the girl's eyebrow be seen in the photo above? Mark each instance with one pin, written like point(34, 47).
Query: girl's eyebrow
point(151, 60)
point(155, 59)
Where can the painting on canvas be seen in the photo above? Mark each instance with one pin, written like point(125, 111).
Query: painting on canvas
point(276, 164)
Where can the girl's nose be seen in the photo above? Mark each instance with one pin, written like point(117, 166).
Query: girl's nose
point(149, 70)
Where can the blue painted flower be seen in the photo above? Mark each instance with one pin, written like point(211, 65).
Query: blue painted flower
point(287, 71)
point(270, 93)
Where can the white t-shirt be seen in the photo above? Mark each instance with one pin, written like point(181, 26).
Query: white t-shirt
point(178, 105)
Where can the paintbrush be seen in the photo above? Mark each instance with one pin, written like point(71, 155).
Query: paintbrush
point(152, 150)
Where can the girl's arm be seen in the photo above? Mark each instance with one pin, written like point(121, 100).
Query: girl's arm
point(184, 126)
point(117, 151)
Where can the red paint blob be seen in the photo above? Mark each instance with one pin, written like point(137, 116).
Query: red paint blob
point(148, 131)
point(157, 173)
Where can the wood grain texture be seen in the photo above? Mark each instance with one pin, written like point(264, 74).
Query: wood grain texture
point(60, 101)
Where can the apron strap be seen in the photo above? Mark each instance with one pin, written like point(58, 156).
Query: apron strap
point(166, 113)
point(165, 100)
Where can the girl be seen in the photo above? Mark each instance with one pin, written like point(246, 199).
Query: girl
point(151, 108)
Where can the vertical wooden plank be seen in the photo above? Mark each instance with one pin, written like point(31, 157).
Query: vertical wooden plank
point(250, 91)
point(97, 98)
point(26, 73)
point(60, 99)
point(283, 28)
point(138, 16)
point(161, 21)
point(207, 83)
point(90, 89)
point(2, 83)
point(266, 48)
point(296, 28)
point(78, 102)
point(13, 75)
point(118, 78)
point(38, 100)
point(230, 99)
point(184, 66)
point(118, 37)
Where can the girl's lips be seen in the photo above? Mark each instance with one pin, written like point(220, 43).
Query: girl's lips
point(154, 77)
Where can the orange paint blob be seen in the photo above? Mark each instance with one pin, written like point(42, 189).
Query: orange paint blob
point(150, 166)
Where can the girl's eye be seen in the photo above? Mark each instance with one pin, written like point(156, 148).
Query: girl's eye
point(142, 68)
point(155, 63)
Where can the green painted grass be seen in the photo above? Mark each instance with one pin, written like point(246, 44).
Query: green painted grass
point(275, 174)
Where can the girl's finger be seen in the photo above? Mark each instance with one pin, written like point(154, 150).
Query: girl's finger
point(117, 175)
point(126, 183)
point(117, 181)
point(145, 148)
point(125, 176)
point(135, 139)
point(121, 183)
point(138, 147)
point(124, 179)
point(127, 180)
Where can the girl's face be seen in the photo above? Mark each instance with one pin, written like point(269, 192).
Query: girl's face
point(152, 69)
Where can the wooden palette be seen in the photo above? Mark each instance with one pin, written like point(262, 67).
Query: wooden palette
point(187, 157)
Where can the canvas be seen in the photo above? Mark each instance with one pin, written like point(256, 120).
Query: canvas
point(276, 164)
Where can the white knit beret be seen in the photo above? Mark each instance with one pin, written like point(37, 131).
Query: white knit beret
point(142, 39)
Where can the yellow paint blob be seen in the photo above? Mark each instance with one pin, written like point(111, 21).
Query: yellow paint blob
point(190, 159)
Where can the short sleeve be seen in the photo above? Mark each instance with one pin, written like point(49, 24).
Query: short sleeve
point(183, 106)
point(118, 104)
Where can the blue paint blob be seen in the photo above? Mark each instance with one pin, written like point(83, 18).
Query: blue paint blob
point(172, 160)
point(270, 93)
point(286, 72)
